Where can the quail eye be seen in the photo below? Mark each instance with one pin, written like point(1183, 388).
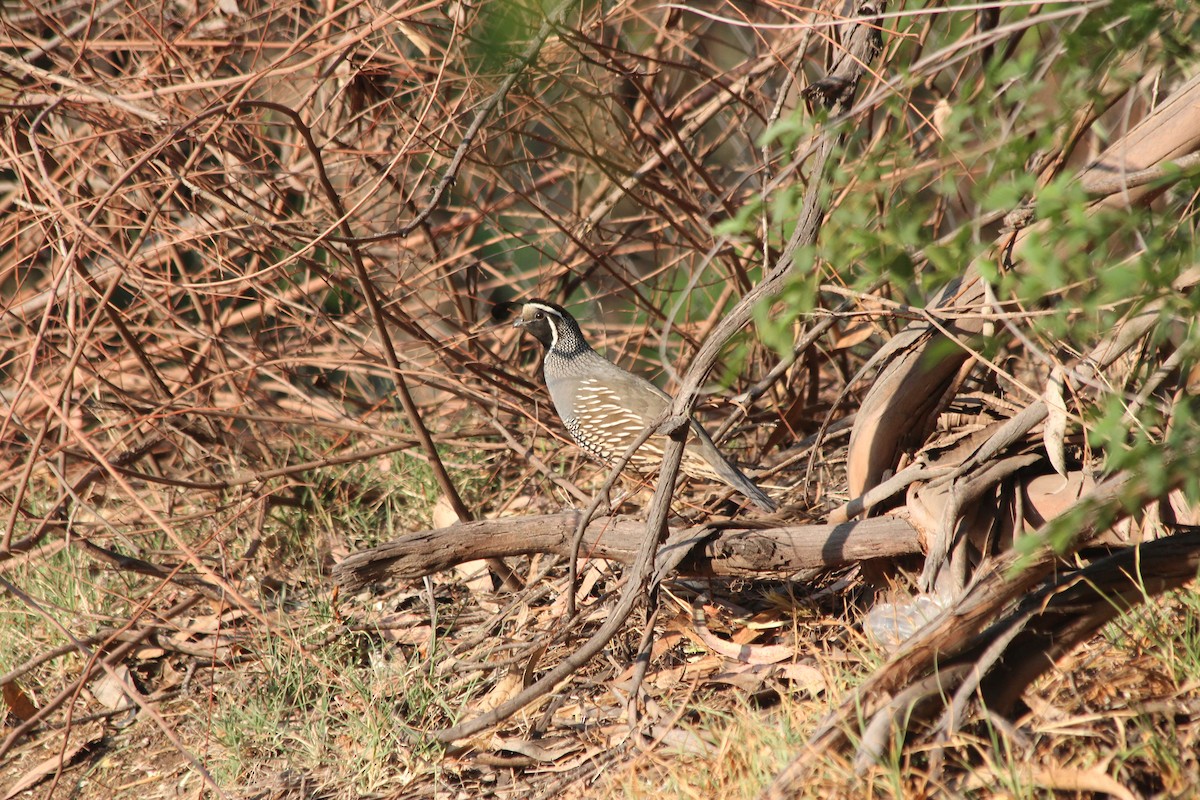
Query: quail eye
point(539, 315)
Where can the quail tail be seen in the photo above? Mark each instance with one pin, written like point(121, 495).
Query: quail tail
point(727, 473)
point(734, 477)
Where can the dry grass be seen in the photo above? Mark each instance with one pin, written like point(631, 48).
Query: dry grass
point(249, 255)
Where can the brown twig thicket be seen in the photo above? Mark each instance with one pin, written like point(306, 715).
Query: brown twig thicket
point(246, 245)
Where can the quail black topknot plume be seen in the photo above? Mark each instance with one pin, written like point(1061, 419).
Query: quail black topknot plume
point(606, 408)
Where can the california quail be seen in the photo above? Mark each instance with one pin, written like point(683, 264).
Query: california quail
point(606, 408)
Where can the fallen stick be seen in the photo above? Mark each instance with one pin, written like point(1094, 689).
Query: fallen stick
point(735, 552)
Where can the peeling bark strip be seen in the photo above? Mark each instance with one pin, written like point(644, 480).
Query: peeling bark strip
point(919, 381)
point(732, 552)
point(991, 657)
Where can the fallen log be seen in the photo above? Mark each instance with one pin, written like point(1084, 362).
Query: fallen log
point(731, 552)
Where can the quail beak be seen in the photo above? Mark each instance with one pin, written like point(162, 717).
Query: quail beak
point(518, 323)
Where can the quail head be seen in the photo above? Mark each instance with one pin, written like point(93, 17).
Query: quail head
point(606, 408)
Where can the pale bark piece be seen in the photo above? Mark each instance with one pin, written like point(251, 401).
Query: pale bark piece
point(1054, 432)
point(899, 410)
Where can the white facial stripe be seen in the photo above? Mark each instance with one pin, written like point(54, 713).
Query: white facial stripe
point(553, 325)
point(547, 309)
